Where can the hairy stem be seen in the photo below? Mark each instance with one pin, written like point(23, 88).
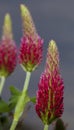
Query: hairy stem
point(2, 81)
point(23, 100)
point(46, 127)
point(27, 80)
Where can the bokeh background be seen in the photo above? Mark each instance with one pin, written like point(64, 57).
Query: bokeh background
point(54, 19)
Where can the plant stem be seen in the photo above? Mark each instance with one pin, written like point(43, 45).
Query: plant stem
point(23, 100)
point(27, 80)
point(46, 127)
point(2, 81)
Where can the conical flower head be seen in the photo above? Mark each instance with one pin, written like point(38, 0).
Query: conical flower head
point(8, 51)
point(52, 60)
point(49, 102)
point(31, 44)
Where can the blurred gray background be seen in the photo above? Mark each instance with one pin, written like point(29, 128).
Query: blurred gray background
point(54, 19)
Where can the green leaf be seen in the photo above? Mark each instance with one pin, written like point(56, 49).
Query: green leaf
point(3, 106)
point(59, 125)
point(33, 99)
point(14, 91)
point(1, 128)
point(15, 95)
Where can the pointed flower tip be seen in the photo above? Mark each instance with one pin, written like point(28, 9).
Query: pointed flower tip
point(7, 20)
point(24, 9)
point(7, 27)
point(52, 61)
point(52, 44)
point(27, 22)
point(7, 16)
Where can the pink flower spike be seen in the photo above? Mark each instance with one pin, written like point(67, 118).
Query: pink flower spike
point(31, 47)
point(8, 50)
point(49, 102)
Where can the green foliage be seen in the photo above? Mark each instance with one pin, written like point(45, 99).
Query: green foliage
point(3, 119)
point(59, 125)
point(7, 107)
point(33, 100)
point(3, 106)
point(15, 95)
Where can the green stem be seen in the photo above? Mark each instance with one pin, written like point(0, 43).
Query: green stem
point(46, 127)
point(23, 100)
point(26, 83)
point(2, 81)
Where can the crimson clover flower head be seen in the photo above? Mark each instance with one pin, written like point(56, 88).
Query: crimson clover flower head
point(49, 102)
point(31, 47)
point(8, 50)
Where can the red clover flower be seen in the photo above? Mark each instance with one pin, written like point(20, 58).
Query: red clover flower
point(31, 44)
point(8, 51)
